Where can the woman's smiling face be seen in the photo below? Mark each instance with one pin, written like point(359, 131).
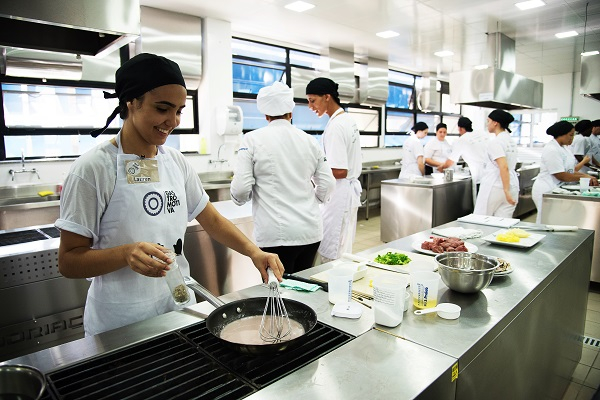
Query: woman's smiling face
point(318, 103)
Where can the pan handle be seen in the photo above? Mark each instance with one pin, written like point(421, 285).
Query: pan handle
point(202, 291)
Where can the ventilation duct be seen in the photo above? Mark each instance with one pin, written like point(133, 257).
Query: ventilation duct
point(341, 71)
point(496, 86)
point(175, 36)
point(374, 83)
point(84, 27)
point(428, 97)
point(590, 76)
point(40, 64)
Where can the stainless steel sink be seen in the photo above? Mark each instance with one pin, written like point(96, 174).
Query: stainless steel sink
point(27, 200)
point(219, 182)
point(21, 206)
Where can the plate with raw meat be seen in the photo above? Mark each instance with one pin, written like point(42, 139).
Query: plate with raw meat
point(438, 245)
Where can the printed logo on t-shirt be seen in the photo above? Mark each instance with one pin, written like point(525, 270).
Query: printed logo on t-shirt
point(155, 203)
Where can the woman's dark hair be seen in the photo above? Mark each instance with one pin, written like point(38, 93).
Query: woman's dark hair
point(440, 125)
point(559, 129)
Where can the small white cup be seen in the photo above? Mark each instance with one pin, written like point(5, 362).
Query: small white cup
point(424, 288)
point(388, 295)
point(340, 284)
point(584, 185)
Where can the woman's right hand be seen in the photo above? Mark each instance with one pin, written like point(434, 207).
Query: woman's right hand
point(148, 259)
point(509, 198)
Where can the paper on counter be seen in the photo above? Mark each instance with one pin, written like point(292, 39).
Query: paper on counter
point(458, 232)
point(489, 220)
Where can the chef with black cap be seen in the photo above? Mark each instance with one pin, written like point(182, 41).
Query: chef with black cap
point(413, 159)
point(558, 164)
point(499, 190)
point(471, 146)
point(129, 199)
point(341, 143)
point(283, 171)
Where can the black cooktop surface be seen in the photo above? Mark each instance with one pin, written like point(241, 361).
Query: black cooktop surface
point(187, 364)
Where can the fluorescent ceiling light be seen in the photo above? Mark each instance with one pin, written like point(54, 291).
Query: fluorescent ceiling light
point(443, 53)
point(590, 53)
point(527, 5)
point(387, 34)
point(482, 66)
point(563, 35)
point(299, 6)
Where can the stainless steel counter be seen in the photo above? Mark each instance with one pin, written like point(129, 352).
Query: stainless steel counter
point(558, 209)
point(371, 178)
point(518, 338)
point(408, 207)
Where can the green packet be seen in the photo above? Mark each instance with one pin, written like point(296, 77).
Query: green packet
point(300, 286)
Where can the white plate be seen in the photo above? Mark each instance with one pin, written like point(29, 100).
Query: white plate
point(508, 271)
point(417, 246)
point(530, 241)
point(570, 187)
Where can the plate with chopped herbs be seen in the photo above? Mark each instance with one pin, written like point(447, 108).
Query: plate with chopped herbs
point(398, 260)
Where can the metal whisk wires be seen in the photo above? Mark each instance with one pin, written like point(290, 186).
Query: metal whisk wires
point(275, 324)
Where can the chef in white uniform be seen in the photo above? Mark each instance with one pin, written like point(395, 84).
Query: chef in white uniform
point(471, 146)
point(341, 143)
point(582, 145)
point(558, 164)
point(499, 190)
point(129, 199)
point(413, 162)
point(594, 141)
point(436, 151)
point(283, 171)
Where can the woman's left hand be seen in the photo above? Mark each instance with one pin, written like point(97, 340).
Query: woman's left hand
point(263, 260)
point(593, 181)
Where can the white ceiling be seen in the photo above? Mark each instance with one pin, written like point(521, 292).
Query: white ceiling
point(425, 26)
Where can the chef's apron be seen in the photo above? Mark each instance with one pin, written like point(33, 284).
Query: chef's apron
point(489, 180)
point(546, 183)
point(154, 212)
point(339, 219)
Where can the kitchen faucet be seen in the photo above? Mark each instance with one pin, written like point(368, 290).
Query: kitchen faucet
point(13, 172)
point(219, 159)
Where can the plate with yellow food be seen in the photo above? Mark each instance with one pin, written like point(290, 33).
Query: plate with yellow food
point(514, 237)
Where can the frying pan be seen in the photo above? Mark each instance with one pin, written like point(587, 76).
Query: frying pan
point(224, 314)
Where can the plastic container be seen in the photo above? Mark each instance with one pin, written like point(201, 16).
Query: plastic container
point(175, 281)
point(388, 294)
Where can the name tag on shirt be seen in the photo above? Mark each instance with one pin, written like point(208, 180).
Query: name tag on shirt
point(142, 171)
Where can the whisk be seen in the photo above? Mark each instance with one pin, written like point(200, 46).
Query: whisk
point(275, 324)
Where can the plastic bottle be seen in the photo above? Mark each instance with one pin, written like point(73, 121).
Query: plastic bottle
point(175, 281)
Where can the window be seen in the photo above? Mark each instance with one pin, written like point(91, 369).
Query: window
point(51, 120)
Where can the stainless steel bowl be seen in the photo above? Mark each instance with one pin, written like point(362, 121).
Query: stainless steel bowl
point(21, 382)
point(466, 272)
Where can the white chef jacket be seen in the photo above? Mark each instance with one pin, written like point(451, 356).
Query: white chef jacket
point(275, 168)
point(491, 184)
point(341, 143)
point(555, 159)
point(438, 150)
point(581, 145)
point(472, 147)
point(412, 149)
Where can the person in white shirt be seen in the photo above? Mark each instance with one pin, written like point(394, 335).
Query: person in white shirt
point(594, 140)
point(437, 150)
point(499, 190)
point(558, 164)
point(582, 145)
point(283, 171)
point(413, 163)
point(471, 147)
point(341, 143)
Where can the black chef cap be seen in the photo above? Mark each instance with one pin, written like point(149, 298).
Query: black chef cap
point(322, 86)
point(420, 126)
point(596, 123)
point(583, 125)
point(441, 125)
point(139, 75)
point(559, 129)
point(464, 122)
point(502, 117)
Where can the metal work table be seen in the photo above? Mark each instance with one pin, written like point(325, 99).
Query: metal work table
point(371, 178)
point(409, 207)
point(518, 338)
point(583, 211)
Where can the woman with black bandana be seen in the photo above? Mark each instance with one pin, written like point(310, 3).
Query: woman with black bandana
point(499, 190)
point(341, 143)
point(130, 198)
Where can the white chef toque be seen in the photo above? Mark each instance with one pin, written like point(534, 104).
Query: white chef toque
point(275, 100)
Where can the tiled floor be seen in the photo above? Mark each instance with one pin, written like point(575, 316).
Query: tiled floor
point(586, 378)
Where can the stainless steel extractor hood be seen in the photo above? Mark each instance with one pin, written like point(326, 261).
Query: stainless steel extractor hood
point(496, 86)
point(84, 27)
point(590, 76)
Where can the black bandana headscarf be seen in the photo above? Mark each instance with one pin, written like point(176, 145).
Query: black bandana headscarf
point(559, 129)
point(322, 86)
point(502, 117)
point(139, 75)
